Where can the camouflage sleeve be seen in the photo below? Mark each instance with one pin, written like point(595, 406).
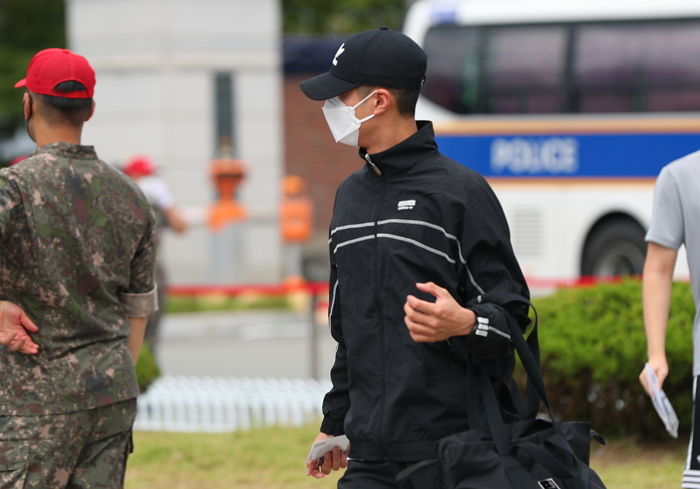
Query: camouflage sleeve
point(140, 305)
point(9, 202)
point(140, 300)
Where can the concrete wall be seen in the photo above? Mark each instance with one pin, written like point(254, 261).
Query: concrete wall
point(156, 62)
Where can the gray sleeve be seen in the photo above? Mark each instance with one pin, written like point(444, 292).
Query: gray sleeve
point(667, 218)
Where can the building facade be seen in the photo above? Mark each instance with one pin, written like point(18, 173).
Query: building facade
point(186, 82)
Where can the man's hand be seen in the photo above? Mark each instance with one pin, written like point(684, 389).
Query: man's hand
point(332, 460)
point(436, 321)
point(660, 367)
point(14, 328)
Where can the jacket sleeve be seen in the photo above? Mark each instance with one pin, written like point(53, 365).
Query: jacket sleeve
point(337, 400)
point(141, 299)
point(9, 205)
point(495, 288)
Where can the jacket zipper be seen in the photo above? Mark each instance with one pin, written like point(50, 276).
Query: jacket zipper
point(372, 165)
point(378, 302)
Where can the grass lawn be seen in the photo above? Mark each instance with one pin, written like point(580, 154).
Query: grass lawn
point(624, 464)
point(264, 458)
point(273, 458)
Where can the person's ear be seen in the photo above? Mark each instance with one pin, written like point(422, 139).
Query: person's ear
point(384, 100)
point(92, 111)
point(27, 108)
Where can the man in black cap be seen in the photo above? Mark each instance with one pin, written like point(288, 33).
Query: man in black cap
point(422, 271)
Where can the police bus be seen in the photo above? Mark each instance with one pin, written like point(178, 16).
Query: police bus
point(570, 109)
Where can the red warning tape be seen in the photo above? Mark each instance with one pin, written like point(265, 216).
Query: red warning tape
point(259, 289)
point(322, 287)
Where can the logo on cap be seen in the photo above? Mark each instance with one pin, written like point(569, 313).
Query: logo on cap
point(340, 51)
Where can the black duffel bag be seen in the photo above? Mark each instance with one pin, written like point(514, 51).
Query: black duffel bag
point(528, 454)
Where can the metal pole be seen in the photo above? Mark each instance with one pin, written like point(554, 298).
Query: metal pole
point(313, 337)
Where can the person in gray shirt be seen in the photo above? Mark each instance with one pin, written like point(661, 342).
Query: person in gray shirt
point(675, 221)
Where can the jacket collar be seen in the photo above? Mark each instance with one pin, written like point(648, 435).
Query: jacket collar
point(67, 150)
point(404, 155)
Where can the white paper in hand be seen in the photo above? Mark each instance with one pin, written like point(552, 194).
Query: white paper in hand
point(320, 448)
point(661, 403)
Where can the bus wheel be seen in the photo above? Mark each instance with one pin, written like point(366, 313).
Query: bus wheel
point(615, 248)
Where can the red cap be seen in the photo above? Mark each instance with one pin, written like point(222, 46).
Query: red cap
point(139, 166)
point(52, 66)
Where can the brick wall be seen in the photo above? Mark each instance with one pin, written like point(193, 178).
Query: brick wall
point(310, 152)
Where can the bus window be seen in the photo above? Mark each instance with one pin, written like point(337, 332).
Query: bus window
point(624, 66)
point(608, 68)
point(637, 67)
point(452, 77)
point(673, 67)
point(525, 69)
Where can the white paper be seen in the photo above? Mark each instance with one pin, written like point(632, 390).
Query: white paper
point(320, 448)
point(661, 403)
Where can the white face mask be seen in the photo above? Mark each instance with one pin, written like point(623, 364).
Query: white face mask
point(342, 122)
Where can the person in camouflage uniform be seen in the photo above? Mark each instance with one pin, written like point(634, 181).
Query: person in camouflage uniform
point(77, 257)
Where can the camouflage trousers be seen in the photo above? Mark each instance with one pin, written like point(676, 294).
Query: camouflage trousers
point(80, 450)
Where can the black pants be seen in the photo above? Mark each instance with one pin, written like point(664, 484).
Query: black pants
point(381, 475)
point(691, 474)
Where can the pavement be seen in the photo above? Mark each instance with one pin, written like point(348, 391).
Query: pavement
point(252, 343)
point(244, 344)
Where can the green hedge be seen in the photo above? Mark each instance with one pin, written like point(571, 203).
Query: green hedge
point(594, 347)
point(147, 369)
point(206, 303)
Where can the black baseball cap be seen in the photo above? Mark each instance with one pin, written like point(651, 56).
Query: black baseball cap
point(380, 57)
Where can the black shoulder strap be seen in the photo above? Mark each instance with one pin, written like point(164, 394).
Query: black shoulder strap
point(529, 354)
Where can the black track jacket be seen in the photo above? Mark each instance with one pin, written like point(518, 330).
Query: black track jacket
point(413, 215)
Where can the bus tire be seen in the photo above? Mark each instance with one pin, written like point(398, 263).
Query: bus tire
point(615, 248)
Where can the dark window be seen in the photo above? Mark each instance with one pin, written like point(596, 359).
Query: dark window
point(673, 67)
point(521, 68)
point(637, 66)
point(452, 77)
point(223, 116)
point(626, 66)
point(608, 68)
point(525, 68)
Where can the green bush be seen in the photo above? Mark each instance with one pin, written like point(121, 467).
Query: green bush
point(594, 347)
point(147, 369)
point(177, 304)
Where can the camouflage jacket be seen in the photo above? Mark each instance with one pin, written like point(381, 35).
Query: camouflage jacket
point(77, 254)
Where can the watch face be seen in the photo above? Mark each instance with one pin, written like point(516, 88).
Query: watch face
point(548, 484)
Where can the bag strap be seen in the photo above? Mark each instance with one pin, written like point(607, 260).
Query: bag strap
point(528, 350)
point(474, 405)
point(493, 411)
point(408, 472)
point(529, 354)
point(525, 410)
point(565, 467)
